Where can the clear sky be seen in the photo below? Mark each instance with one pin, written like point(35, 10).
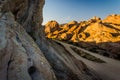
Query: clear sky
point(67, 10)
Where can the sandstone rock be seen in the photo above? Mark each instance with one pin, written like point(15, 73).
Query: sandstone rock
point(66, 66)
point(75, 38)
point(114, 19)
point(72, 23)
point(72, 28)
point(51, 26)
point(100, 32)
point(25, 53)
point(65, 36)
point(95, 19)
point(21, 59)
point(95, 31)
point(56, 32)
point(65, 27)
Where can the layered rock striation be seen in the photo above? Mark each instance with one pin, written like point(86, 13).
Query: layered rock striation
point(25, 53)
point(102, 36)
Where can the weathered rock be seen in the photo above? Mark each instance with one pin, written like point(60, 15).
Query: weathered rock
point(72, 23)
point(95, 30)
point(65, 36)
point(66, 66)
point(51, 26)
point(114, 19)
point(66, 27)
point(72, 28)
point(95, 19)
point(20, 57)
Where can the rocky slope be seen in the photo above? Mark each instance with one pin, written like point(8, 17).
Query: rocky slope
point(25, 53)
point(102, 36)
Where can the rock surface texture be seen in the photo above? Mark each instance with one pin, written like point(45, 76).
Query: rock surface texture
point(102, 36)
point(25, 53)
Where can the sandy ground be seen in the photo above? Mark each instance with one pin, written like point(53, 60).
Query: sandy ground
point(107, 71)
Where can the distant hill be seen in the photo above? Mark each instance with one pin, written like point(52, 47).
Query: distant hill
point(102, 36)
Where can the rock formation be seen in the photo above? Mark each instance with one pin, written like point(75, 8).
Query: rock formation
point(25, 53)
point(20, 57)
point(114, 19)
point(95, 34)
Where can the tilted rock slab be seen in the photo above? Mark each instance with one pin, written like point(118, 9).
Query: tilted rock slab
point(20, 56)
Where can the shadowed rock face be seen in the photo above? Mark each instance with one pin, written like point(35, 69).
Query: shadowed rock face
point(20, 57)
point(22, 44)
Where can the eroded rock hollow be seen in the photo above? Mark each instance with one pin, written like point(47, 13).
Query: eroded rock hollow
point(25, 53)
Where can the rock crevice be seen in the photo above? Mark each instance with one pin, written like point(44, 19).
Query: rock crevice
point(22, 44)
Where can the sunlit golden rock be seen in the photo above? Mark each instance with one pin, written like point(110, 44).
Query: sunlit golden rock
point(114, 19)
point(72, 28)
point(95, 19)
point(65, 36)
point(95, 32)
point(51, 26)
point(92, 30)
point(75, 38)
point(72, 23)
point(65, 27)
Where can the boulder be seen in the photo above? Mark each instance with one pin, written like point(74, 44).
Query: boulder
point(51, 26)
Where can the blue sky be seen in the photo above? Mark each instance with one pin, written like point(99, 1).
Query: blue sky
point(67, 10)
